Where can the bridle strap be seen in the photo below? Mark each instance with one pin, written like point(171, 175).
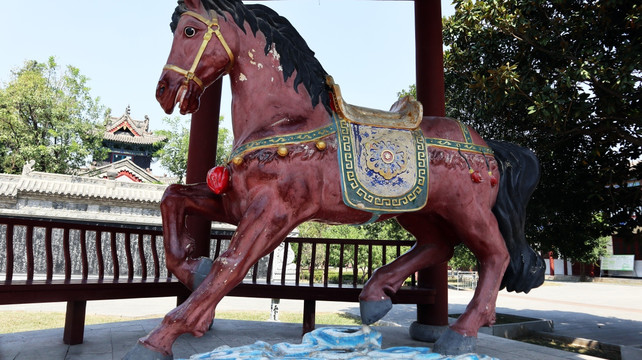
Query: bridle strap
point(212, 28)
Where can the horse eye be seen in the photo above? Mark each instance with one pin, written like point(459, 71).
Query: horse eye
point(190, 31)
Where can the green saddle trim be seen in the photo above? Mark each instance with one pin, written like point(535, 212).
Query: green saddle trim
point(467, 145)
point(458, 145)
point(288, 139)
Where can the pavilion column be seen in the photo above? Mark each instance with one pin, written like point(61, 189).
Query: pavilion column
point(430, 91)
point(202, 157)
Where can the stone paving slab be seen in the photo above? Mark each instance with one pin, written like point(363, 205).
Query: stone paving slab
point(112, 341)
point(609, 313)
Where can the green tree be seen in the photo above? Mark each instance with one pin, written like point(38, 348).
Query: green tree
point(48, 117)
point(565, 79)
point(463, 259)
point(384, 230)
point(173, 154)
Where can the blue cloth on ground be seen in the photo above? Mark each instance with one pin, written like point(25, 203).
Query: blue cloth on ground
point(330, 343)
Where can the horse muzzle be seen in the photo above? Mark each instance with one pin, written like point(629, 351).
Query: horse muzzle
point(185, 94)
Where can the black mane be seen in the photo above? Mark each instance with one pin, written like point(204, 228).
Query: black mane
point(292, 48)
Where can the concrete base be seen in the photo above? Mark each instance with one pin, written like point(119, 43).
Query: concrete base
point(630, 353)
point(426, 333)
point(518, 329)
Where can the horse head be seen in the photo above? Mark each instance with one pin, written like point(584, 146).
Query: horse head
point(199, 56)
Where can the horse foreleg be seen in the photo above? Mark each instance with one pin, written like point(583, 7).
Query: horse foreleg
point(178, 202)
point(265, 224)
point(431, 249)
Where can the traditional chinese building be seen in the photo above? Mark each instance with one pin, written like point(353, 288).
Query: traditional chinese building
point(123, 170)
point(127, 138)
point(83, 198)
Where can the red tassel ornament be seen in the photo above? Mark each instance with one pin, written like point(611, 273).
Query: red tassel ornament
point(476, 177)
point(493, 179)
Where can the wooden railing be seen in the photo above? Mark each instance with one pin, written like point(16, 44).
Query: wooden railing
point(81, 251)
point(55, 260)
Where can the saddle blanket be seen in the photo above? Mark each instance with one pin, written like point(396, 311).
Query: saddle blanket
point(383, 170)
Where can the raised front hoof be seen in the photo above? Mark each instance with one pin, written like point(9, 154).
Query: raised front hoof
point(454, 343)
point(373, 311)
point(140, 352)
point(202, 270)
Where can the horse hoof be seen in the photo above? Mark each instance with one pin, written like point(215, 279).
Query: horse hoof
point(140, 352)
point(454, 343)
point(373, 311)
point(202, 270)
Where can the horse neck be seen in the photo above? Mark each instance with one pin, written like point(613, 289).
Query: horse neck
point(262, 103)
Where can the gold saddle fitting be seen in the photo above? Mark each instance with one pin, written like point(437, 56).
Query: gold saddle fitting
point(406, 113)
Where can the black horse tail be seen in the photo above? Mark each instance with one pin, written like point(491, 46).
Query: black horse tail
point(519, 170)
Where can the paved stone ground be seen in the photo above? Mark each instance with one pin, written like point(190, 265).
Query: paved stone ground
point(609, 313)
point(112, 341)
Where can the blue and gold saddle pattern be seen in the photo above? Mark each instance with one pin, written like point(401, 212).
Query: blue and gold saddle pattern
point(383, 170)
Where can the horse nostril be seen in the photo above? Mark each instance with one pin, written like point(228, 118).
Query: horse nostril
point(160, 90)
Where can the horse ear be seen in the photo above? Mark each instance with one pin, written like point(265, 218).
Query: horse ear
point(194, 5)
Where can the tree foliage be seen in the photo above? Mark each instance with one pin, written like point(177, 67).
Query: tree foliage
point(463, 259)
point(384, 230)
point(48, 117)
point(173, 154)
point(563, 78)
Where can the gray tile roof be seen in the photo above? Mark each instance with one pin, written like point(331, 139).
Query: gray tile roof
point(70, 197)
point(141, 140)
point(37, 183)
point(8, 187)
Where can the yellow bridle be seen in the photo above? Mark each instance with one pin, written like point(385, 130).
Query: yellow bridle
point(212, 28)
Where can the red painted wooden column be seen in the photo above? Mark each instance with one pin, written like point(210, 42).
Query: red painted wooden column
point(202, 156)
point(430, 91)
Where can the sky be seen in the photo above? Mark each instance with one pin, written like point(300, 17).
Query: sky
point(122, 45)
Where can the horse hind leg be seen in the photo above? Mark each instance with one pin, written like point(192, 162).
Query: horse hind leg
point(431, 248)
point(481, 235)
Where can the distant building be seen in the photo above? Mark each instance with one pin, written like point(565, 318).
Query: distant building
point(127, 138)
point(125, 171)
point(80, 198)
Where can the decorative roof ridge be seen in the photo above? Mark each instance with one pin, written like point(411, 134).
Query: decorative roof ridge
point(138, 127)
point(145, 139)
point(86, 180)
point(117, 125)
point(124, 164)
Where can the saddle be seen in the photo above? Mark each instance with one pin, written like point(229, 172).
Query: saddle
point(406, 113)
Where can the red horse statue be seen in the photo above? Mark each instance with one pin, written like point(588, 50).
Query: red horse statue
point(302, 154)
